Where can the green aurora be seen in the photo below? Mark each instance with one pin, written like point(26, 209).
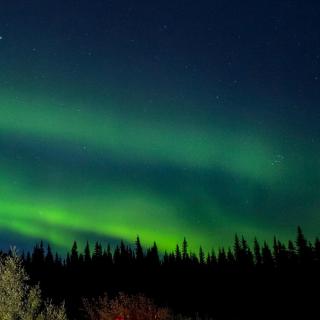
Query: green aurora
point(107, 140)
point(61, 184)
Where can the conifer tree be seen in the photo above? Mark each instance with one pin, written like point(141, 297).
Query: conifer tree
point(292, 254)
point(38, 256)
point(154, 255)
point(139, 251)
point(185, 255)
point(257, 253)
point(116, 256)
point(237, 251)
point(107, 256)
point(267, 258)
point(49, 257)
point(87, 254)
point(97, 253)
point(178, 254)
point(317, 251)
point(213, 258)
point(165, 258)
point(222, 259)
point(246, 254)
point(201, 256)
point(302, 248)
point(230, 258)
point(74, 257)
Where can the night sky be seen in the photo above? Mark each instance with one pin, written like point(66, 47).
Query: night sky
point(159, 118)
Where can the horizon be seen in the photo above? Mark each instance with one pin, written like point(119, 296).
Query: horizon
point(113, 243)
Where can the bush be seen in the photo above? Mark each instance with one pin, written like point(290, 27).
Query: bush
point(18, 300)
point(123, 307)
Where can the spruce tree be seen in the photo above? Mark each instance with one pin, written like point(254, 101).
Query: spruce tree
point(267, 258)
point(49, 257)
point(139, 251)
point(257, 253)
point(317, 251)
point(302, 248)
point(97, 253)
point(237, 251)
point(74, 257)
point(154, 255)
point(178, 254)
point(185, 255)
point(230, 258)
point(87, 254)
point(222, 259)
point(201, 256)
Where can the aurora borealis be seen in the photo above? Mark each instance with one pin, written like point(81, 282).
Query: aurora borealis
point(120, 118)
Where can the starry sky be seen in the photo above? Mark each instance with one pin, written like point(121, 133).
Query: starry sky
point(159, 118)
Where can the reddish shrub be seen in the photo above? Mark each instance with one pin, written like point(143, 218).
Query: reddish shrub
point(125, 307)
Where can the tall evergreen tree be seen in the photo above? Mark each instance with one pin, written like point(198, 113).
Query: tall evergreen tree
point(124, 254)
point(302, 248)
point(27, 261)
point(116, 256)
point(139, 251)
point(237, 251)
point(107, 256)
point(193, 259)
point(213, 258)
point(317, 251)
point(178, 254)
point(67, 261)
point(257, 253)
point(87, 254)
point(97, 253)
point(267, 258)
point(230, 258)
point(74, 257)
point(49, 257)
point(292, 254)
point(185, 255)
point(165, 258)
point(208, 259)
point(154, 255)
point(222, 259)
point(57, 260)
point(246, 254)
point(201, 256)
point(283, 256)
point(38, 256)
point(276, 252)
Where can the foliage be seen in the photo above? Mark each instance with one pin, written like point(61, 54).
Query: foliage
point(133, 307)
point(19, 300)
point(179, 279)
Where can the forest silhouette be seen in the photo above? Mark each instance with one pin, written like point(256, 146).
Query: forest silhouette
point(259, 281)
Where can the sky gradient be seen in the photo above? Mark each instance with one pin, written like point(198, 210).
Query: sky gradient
point(120, 118)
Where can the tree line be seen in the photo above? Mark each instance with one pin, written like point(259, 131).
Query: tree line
point(179, 279)
point(300, 253)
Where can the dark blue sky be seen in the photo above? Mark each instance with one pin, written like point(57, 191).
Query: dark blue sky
point(194, 118)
